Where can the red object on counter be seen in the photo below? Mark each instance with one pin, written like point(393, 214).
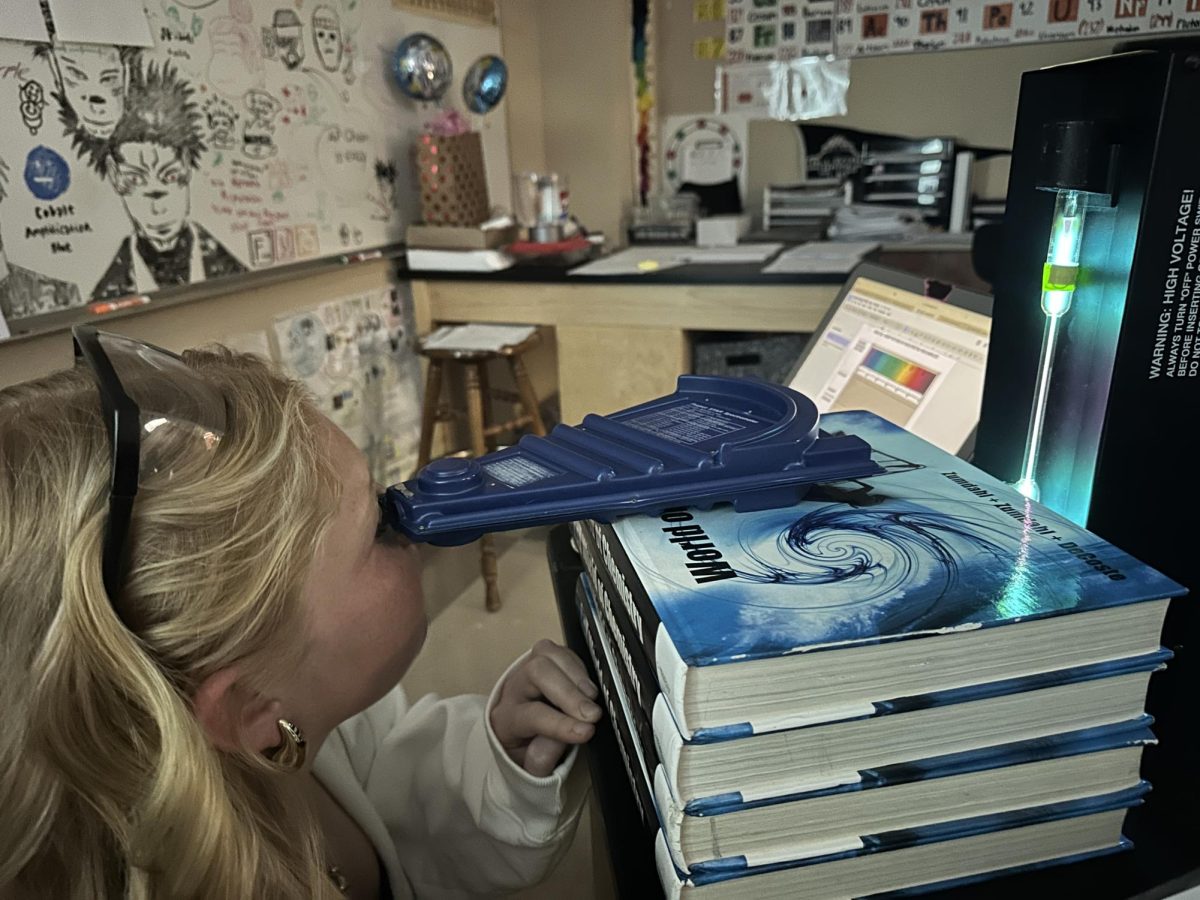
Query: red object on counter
point(569, 245)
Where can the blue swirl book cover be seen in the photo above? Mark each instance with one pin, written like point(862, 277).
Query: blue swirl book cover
point(932, 546)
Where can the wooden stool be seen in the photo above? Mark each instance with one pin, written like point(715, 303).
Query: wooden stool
point(472, 347)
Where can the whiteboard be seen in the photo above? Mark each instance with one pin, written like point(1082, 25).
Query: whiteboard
point(253, 134)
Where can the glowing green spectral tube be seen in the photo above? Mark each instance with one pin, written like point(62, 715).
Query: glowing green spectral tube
point(1059, 277)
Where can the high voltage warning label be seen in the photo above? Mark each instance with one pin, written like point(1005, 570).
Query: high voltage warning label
point(1175, 354)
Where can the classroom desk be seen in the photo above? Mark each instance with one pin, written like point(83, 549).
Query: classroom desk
point(623, 340)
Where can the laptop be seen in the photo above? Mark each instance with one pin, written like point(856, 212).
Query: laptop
point(907, 349)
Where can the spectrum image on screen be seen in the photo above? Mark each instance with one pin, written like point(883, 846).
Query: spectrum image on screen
point(887, 384)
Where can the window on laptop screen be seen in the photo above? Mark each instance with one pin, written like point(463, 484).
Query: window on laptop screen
point(914, 361)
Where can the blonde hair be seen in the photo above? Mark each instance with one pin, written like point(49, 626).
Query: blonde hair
point(108, 785)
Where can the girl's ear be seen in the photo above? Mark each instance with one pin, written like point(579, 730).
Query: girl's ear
point(235, 717)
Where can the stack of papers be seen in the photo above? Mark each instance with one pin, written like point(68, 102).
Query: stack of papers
point(821, 257)
point(877, 223)
point(790, 205)
point(646, 260)
point(477, 337)
point(458, 260)
point(23, 21)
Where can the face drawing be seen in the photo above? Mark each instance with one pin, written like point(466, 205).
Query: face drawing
point(152, 181)
point(93, 83)
point(257, 140)
point(236, 61)
point(289, 37)
point(221, 123)
point(221, 126)
point(327, 37)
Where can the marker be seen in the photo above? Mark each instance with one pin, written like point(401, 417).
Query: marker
point(361, 257)
point(109, 306)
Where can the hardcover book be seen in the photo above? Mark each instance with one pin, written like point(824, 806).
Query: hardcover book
point(925, 858)
point(638, 759)
point(721, 765)
point(728, 833)
point(929, 577)
point(906, 860)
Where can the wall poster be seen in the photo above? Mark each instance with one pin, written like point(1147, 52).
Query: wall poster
point(770, 30)
point(759, 31)
point(354, 354)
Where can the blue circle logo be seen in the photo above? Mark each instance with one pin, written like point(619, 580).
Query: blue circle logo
point(47, 174)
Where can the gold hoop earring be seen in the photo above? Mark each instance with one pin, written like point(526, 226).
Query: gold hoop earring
point(289, 754)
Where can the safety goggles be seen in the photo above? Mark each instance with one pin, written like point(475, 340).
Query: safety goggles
point(162, 418)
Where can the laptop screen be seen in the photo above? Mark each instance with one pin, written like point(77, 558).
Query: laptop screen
point(915, 361)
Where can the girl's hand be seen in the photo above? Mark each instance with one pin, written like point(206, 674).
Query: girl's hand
point(544, 705)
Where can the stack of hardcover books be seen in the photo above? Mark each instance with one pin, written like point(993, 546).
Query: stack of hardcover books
point(905, 681)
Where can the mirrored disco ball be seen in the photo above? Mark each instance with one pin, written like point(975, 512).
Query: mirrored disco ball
point(421, 67)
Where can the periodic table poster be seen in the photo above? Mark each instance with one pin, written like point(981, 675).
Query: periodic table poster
point(767, 30)
point(758, 31)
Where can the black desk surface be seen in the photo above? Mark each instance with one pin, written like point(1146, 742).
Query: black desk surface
point(731, 273)
point(950, 263)
point(1164, 829)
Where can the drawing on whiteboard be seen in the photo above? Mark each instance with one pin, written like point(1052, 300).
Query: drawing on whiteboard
point(344, 157)
point(187, 30)
point(24, 292)
point(236, 65)
point(222, 120)
point(258, 135)
point(327, 37)
point(295, 98)
point(308, 242)
point(152, 154)
point(283, 174)
point(47, 174)
point(91, 82)
point(285, 38)
point(307, 153)
point(260, 244)
point(33, 101)
point(385, 180)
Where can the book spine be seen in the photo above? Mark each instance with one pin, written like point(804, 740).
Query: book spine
point(667, 664)
point(627, 585)
point(641, 722)
point(620, 725)
point(623, 633)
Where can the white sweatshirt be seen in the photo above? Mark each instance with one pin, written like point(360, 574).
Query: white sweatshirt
point(449, 813)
